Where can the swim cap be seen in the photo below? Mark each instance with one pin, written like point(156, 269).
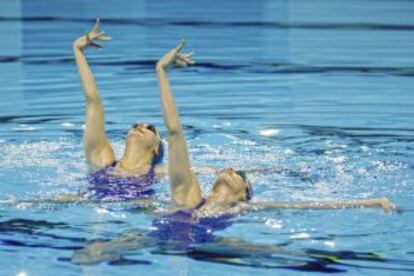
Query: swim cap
point(159, 156)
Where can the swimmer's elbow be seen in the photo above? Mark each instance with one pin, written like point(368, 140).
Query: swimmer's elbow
point(174, 129)
point(93, 103)
point(173, 132)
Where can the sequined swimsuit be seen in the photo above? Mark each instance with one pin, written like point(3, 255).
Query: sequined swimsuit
point(107, 186)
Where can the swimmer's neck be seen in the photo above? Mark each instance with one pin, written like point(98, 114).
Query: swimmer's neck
point(134, 164)
point(215, 199)
point(217, 206)
point(220, 197)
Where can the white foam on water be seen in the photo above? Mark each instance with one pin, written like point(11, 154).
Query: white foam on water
point(67, 124)
point(24, 127)
point(42, 166)
point(339, 159)
point(273, 223)
point(329, 243)
point(270, 132)
point(104, 211)
point(101, 211)
point(300, 236)
point(289, 151)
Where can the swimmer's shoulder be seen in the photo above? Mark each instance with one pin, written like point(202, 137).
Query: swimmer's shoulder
point(100, 157)
point(94, 168)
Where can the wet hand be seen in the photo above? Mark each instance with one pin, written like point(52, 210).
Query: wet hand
point(89, 40)
point(175, 58)
point(386, 205)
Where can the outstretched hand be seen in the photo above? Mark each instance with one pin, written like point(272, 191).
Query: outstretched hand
point(175, 58)
point(89, 40)
point(386, 205)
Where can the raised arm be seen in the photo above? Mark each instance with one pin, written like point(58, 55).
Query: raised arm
point(383, 203)
point(185, 189)
point(98, 150)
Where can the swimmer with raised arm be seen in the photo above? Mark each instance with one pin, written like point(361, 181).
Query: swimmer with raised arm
point(132, 175)
point(231, 190)
point(194, 224)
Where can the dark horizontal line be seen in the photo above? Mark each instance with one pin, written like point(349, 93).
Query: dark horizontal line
point(265, 24)
point(361, 129)
point(400, 134)
point(296, 69)
point(397, 134)
point(267, 68)
point(152, 63)
point(31, 119)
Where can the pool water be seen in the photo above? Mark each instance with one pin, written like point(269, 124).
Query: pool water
point(317, 95)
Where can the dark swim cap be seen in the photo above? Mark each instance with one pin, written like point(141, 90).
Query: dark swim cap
point(159, 156)
point(249, 190)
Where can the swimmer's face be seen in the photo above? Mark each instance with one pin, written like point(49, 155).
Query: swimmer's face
point(233, 185)
point(143, 135)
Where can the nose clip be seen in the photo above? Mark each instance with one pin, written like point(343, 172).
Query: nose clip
point(137, 125)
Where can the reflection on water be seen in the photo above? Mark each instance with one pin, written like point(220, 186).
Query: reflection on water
point(315, 96)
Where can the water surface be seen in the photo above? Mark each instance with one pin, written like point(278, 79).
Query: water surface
point(319, 93)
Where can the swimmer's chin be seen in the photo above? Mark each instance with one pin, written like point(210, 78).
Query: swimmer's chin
point(135, 132)
point(223, 179)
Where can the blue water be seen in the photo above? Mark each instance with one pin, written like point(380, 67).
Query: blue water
point(318, 92)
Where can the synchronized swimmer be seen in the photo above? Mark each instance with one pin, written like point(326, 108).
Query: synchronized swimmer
point(193, 217)
point(231, 192)
point(132, 175)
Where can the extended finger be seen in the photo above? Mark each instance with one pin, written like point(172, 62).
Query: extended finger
point(189, 54)
point(103, 37)
point(93, 35)
point(95, 28)
point(180, 63)
point(186, 60)
point(180, 46)
point(190, 61)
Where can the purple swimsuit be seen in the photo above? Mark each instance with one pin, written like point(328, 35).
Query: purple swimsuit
point(106, 186)
point(182, 229)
